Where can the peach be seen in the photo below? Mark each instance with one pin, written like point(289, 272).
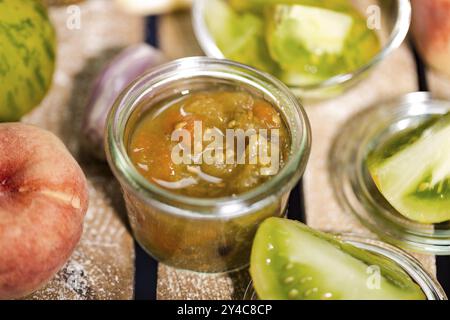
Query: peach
point(431, 29)
point(43, 201)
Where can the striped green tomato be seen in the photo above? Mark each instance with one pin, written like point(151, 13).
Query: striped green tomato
point(27, 56)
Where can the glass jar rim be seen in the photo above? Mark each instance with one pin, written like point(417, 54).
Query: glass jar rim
point(193, 67)
point(396, 38)
point(347, 171)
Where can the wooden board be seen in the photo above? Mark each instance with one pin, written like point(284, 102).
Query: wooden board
point(439, 84)
point(176, 36)
point(102, 266)
point(176, 284)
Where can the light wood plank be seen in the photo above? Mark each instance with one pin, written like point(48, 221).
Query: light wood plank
point(439, 84)
point(102, 266)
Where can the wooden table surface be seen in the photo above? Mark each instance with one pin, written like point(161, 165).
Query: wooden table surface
point(102, 266)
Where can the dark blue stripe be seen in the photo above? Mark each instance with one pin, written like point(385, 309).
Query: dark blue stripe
point(296, 206)
point(151, 31)
point(146, 274)
point(421, 70)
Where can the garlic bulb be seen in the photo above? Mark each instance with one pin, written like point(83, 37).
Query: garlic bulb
point(131, 63)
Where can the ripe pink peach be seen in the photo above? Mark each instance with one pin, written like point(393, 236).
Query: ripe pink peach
point(431, 29)
point(43, 201)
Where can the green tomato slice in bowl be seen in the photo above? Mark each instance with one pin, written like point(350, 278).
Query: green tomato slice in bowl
point(240, 37)
point(415, 177)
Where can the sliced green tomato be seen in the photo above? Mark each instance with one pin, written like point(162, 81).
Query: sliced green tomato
point(319, 41)
point(416, 179)
point(291, 261)
point(319, 30)
point(240, 37)
point(307, 39)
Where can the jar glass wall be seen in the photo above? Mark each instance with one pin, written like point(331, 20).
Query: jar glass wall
point(207, 235)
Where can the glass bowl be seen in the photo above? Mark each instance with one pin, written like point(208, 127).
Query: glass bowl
point(395, 19)
point(431, 288)
point(354, 187)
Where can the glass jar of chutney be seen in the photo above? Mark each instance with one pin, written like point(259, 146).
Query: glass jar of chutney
point(204, 234)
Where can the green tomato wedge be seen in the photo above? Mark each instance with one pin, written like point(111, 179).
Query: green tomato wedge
point(318, 30)
point(312, 43)
point(240, 37)
point(290, 261)
point(413, 173)
point(307, 42)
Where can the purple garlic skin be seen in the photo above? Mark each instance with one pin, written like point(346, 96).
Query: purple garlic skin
point(126, 67)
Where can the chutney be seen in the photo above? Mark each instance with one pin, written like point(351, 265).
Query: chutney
point(215, 114)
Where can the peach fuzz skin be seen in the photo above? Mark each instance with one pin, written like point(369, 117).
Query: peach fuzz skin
point(431, 29)
point(43, 201)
